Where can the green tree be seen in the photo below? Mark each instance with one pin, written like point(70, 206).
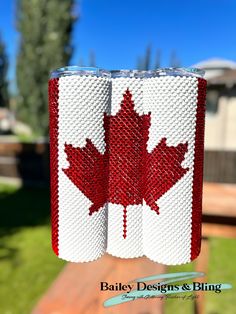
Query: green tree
point(158, 59)
point(144, 63)
point(45, 28)
point(174, 60)
point(92, 59)
point(147, 58)
point(4, 96)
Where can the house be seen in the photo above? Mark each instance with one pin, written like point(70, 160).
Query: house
point(220, 128)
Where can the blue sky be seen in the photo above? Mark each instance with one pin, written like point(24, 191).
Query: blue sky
point(120, 30)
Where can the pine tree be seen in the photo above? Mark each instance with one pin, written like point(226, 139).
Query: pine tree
point(174, 60)
point(140, 65)
point(4, 96)
point(158, 59)
point(45, 44)
point(92, 59)
point(144, 63)
point(147, 58)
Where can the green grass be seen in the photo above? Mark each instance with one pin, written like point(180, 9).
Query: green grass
point(28, 138)
point(221, 270)
point(28, 266)
point(27, 263)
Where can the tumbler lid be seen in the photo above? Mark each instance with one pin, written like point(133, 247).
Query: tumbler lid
point(128, 73)
point(81, 71)
point(195, 72)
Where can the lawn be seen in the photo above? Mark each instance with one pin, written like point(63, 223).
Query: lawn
point(221, 270)
point(28, 266)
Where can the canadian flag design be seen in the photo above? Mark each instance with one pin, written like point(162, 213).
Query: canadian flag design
point(178, 107)
point(77, 105)
point(126, 166)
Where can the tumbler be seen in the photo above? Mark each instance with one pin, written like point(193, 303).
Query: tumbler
point(126, 159)
point(126, 126)
point(78, 99)
point(172, 208)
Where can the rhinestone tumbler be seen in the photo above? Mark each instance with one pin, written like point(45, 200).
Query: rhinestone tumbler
point(126, 128)
point(126, 160)
point(78, 99)
point(172, 209)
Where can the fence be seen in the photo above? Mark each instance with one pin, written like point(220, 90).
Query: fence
point(220, 166)
point(29, 162)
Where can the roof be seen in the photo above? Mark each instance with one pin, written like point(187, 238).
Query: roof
point(227, 78)
point(216, 63)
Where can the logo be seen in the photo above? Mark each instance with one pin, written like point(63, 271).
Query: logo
point(141, 289)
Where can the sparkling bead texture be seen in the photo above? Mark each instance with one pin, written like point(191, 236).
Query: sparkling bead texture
point(127, 167)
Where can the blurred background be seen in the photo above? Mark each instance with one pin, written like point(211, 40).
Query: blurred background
point(37, 36)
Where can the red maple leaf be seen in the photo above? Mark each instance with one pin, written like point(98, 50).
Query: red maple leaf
point(88, 171)
point(126, 173)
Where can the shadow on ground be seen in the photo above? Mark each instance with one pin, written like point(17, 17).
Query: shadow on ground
point(19, 208)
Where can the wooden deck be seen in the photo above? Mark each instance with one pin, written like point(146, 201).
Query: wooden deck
point(219, 210)
point(76, 290)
